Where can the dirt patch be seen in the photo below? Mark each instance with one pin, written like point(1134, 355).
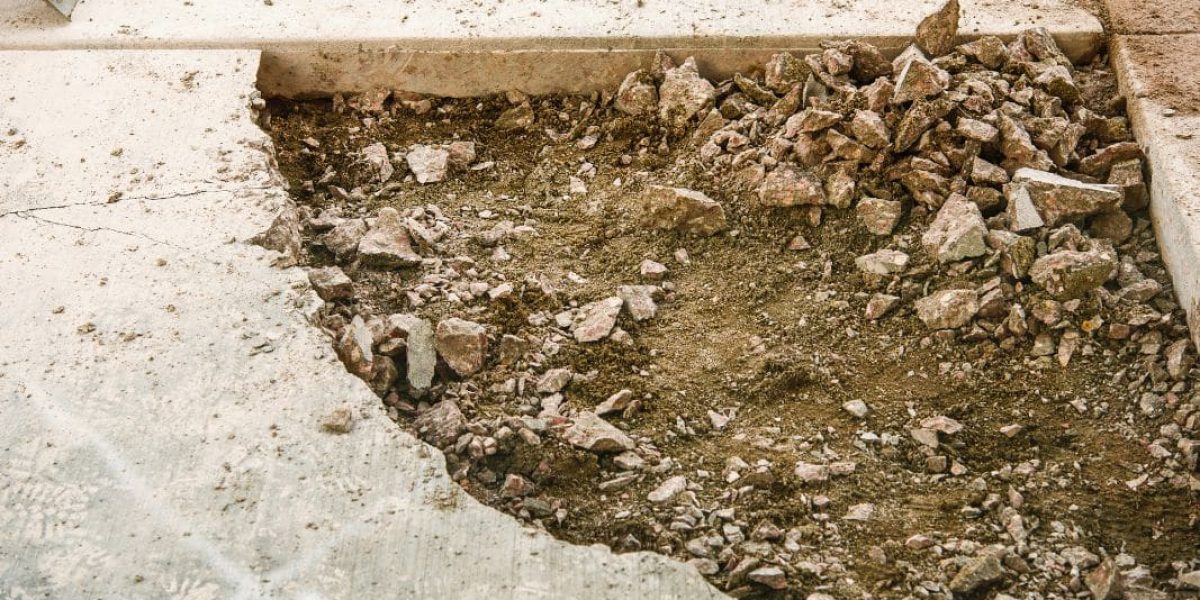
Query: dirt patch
point(777, 432)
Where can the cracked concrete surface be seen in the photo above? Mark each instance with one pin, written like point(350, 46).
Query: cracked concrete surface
point(161, 391)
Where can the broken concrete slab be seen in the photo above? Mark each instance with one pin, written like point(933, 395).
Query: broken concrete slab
point(466, 49)
point(141, 344)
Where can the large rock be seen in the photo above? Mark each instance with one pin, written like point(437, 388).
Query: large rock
point(427, 163)
point(354, 348)
point(639, 300)
point(462, 344)
point(684, 210)
point(344, 238)
point(596, 320)
point(1068, 274)
point(918, 80)
point(948, 309)
point(883, 262)
point(880, 216)
point(957, 232)
point(331, 283)
point(683, 93)
point(637, 95)
point(420, 350)
point(938, 32)
point(1059, 200)
point(594, 434)
point(283, 236)
point(977, 574)
point(868, 127)
point(789, 186)
point(387, 245)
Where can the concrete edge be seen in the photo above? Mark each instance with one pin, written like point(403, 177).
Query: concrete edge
point(1174, 180)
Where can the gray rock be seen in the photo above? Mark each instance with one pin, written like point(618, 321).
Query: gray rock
point(683, 93)
point(596, 320)
point(880, 305)
point(957, 232)
point(1022, 214)
point(858, 408)
point(344, 238)
point(639, 300)
point(554, 380)
point(589, 432)
point(668, 490)
point(948, 309)
point(387, 245)
point(462, 344)
point(427, 163)
point(420, 350)
point(652, 271)
point(772, 577)
point(882, 262)
point(1069, 274)
point(615, 403)
point(979, 573)
point(1059, 200)
point(683, 210)
point(331, 283)
point(376, 157)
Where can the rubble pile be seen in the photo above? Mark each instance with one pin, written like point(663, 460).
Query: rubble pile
point(1000, 195)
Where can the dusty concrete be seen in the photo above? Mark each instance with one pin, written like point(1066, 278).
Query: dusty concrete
point(162, 394)
point(1158, 76)
point(460, 49)
point(1141, 17)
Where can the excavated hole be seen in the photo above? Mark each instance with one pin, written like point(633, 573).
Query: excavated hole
point(758, 342)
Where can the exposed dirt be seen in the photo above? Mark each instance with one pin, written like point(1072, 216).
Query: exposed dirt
point(776, 340)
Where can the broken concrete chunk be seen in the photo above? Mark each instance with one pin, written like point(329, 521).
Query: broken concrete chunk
point(420, 350)
point(789, 186)
point(354, 348)
point(596, 320)
point(639, 300)
point(387, 245)
point(376, 157)
point(883, 262)
point(879, 216)
point(344, 238)
point(1059, 200)
point(1069, 274)
point(331, 283)
point(684, 210)
point(938, 32)
point(282, 236)
point(957, 232)
point(589, 432)
point(427, 163)
point(683, 93)
point(637, 95)
point(948, 309)
point(1022, 214)
point(462, 344)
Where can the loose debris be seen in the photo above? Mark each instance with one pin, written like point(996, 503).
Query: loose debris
point(848, 327)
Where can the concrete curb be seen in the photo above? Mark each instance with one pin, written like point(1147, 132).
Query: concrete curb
point(312, 47)
point(1150, 70)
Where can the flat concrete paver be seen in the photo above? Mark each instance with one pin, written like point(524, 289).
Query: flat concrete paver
point(161, 392)
point(472, 48)
point(1158, 76)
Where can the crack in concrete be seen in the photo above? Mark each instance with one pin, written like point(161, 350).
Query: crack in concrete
point(23, 215)
point(21, 211)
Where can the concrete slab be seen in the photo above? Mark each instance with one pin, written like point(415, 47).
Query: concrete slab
point(161, 392)
point(473, 48)
point(1158, 77)
point(1141, 17)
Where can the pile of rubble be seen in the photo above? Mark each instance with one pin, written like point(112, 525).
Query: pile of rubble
point(1002, 190)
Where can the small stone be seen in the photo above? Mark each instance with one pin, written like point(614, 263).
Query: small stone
point(883, 262)
point(1069, 274)
point(880, 305)
point(1128, 176)
point(868, 127)
point(879, 216)
point(683, 210)
point(683, 93)
point(784, 71)
point(1057, 81)
point(462, 344)
point(515, 486)
point(772, 577)
point(789, 186)
point(860, 512)
point(938, 32)
point(341, 420)
point(420, 351)
point(637, 95)
point(615, 403)
point(989, 50)
point(957, 232)
point(282, 236)
point(639, 301)
point(596, 320)
point(428, 164)
point(652, 271)
point(354, 348)
point(554, 380)
point(1101, 162)
point(1060, 200)
point(344, 238)
point(942, 424)
point(919, 542)
point(948, 309)
point(387, 245)
point(977, 574)
point(517, 118)
point(376, 157)
point(858, 408)
point(331, 283)
point(668, 490)
point(441, 424)
point(919, 80)
point(810, 473)
point(1115, 226)
point(589, 432)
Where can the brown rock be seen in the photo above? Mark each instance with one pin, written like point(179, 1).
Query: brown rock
point(387, 245)
point(1060, 200)
point(684, 210)
point(441, 424)
point(596, 320)
point(282, 236)
point(637, 95)
point(789, 186)
point(591, 433)
point(879, 216)
point(948, 309)
point(957, 232)
point(462, 344)
point(919, 80)
point(938, 32)
point(683, 93)
point(331, 283)
point(868, 127)
point(1069, 274)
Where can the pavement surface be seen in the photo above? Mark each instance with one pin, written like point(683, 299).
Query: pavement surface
point(162, 393)
point(471, 48)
